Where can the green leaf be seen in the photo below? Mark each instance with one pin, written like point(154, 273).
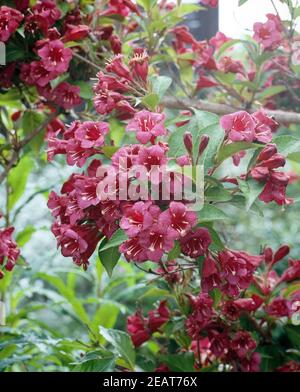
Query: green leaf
point(293, 333)
point(109, 151)
point(211, 213)
point(251, 190)
point(241, 2)
point(96, 361)
point(228, 150)
point(17, 179)
point(117, 239)
point(68, 294)
point(175, 252)
point(109, 256)
point(218, 194)
point(25, 235)
point(160, 85)
point(151, 101)
point(287, 144)
point(270, 92)
point(86, 90)
point(121, 343)
point(180, 363)
point(30, 121)
point(200, 124)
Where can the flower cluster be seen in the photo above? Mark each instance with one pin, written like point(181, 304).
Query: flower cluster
point(9, 251)
point(120, 82)
point(141, 328)
point(276, 182)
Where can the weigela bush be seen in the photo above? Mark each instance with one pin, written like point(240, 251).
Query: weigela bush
point(223, 307)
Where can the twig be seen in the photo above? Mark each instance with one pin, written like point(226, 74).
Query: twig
point(186, 103)
point(23, 143)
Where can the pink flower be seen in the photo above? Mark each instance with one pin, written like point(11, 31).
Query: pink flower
point(55, 57)
point(227, 64)
point(210, 3)
point(195, 243)
point(117, 66)
point(152, 157)
point(10, 20)
point(157, 240)
point(237, 269)
point(147, 126)
point(268, 34)
point(139, 217)
point(243, 344)
point(289, 367)
point(137, 329)
point(239, 126)
point(91, 134)
point(39, 75)
point(179, 218)
point(218, 40)
point(66, 95)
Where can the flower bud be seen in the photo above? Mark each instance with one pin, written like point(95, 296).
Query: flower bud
point(268, 253)
point(188, 142)
point(203, 144)
point(282, 252)
point(267, 152)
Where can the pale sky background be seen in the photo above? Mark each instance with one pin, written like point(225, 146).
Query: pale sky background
point(234, 20)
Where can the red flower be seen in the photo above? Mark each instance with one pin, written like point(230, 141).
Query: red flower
point(158, 317)
point(292, 272)
point(289, 367)
point(77, 241)
point(139, 217)
point(91, 134)
point(47, 10)
point(243, 344)
point(75, 33)
point(279, 307)
point(201, 316)
point(55, 57)
point(237, 270)
point(139, 64)
point(210, 277)
point(9, 251)
point(10, 20)
point(179, 218)
point(195, 243)
point(137, 329)
point(6, 75)
point(66, 95)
